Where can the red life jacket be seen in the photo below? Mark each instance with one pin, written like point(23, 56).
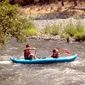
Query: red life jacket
point(26, 53)
point(55, 55)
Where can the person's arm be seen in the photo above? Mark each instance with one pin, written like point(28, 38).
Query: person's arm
point(32, 48)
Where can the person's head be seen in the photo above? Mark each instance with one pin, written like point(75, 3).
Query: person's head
point(27, 45)
point(55, 50)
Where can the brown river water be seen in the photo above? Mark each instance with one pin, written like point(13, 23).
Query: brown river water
point(71, 73)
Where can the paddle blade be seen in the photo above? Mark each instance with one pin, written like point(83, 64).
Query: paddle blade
point(67, 52)
point(60, 49)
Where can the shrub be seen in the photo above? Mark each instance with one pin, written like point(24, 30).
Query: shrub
point(64, 35)
point(52, 30)
point(46, 30)
point(80, 36)
point(70, 29)
point(55, 30)
point(80, 27)
point(13, 23)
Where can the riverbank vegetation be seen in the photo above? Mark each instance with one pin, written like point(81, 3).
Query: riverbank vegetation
point(52, 30)
point(73, 30)
point(13, 24)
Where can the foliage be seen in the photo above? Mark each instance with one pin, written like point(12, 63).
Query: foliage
point(70, 29)
point(64, 35)
point(80, 36)
point(46, 30)
point(12, 23)
point(75, 30)
point(80, 27)
point(52, 30)
point(31, 29)
point(55, 30)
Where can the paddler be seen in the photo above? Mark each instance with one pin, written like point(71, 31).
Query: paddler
point(27, 52)
point(55, 53)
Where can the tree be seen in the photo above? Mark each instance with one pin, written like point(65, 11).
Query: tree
point(12, 23)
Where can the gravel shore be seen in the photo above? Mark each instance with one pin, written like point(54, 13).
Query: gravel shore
point(40, 24)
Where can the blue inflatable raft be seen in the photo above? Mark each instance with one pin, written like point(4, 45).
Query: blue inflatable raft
point(45, 60)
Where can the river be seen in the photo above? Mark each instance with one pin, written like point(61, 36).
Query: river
point(71, 73)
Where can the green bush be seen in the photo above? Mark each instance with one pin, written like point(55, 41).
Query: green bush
point(31, 32)
point(80, 27)
point(13, 23)
point(3, 38)
point(64, 35)
point(76, 30)
point(31, 29)
point(80, 36)
point(52, 30)
point(55, 30)
point(46, 30)
point(70, 29)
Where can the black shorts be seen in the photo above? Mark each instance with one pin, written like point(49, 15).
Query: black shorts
point(28, 58)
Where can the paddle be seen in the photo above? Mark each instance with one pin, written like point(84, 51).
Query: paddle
point(35, 55)
point(64, 50)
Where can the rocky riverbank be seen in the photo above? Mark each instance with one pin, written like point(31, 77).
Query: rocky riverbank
point(40, 24)
point(54, 14)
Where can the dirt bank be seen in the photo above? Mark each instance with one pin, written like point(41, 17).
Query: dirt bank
point(68, 8)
